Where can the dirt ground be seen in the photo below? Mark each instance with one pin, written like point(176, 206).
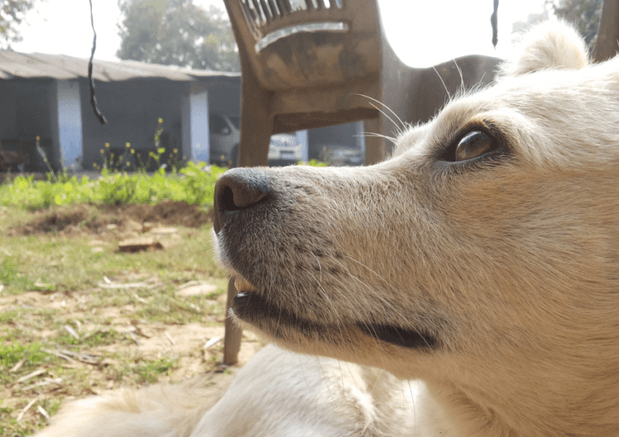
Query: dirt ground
point(83, 371)
point(83, 218)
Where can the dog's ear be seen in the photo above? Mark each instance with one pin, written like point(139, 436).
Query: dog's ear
point(552, 44)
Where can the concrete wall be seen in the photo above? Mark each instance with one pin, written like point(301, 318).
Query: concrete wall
point(132, 109)
point(25, 113)
point(224, 95)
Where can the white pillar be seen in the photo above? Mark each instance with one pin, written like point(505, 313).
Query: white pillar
point(70, 137)
point(302, 138)
point(195, 126)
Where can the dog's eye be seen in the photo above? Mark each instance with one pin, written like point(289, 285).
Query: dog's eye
point(473, 145)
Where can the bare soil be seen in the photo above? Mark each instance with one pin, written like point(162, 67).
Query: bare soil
point(85, 218)
point(83, 371)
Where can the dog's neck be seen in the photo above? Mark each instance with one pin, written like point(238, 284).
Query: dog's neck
point(471, 414)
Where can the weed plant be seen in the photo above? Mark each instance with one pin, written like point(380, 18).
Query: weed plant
point(193, 183)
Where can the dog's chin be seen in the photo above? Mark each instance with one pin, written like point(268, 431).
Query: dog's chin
point(284, 326)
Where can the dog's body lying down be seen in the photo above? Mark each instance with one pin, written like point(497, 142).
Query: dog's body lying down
point(276, 394)
point(482, 259)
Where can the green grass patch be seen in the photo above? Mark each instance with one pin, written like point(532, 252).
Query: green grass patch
point(12, 353)
point(150, 371)
point(51, 263)
point(53, 277)
point(191, 184)
point(92, 339)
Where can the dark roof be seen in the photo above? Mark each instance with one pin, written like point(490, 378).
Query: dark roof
point(14, 65)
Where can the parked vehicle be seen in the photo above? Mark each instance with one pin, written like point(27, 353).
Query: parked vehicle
point(341, 155)
point(223, 139)
point(285, 149)
point(224, 135)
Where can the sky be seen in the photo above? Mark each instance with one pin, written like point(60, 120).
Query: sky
point(423, 33)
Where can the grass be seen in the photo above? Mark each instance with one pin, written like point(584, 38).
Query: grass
point(149, 371)
point(192, 184)
point(53, 280)
point(57, 263)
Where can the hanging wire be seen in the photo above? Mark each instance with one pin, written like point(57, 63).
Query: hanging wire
point(93, 99)
point(494, 22)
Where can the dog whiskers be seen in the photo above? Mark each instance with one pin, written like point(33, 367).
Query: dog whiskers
point(376, 135)
point(371, 271)
point(399, 127)
point(326, 296)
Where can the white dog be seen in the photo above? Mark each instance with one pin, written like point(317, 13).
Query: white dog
point(482, 259)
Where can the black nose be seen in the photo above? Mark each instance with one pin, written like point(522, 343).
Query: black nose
point(238, 189)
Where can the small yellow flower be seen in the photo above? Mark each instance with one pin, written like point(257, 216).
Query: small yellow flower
point(38, 138)
point(132, 151)
point(102, 151)
point(160, 120)
point(107, 145)
point(175, 151)
point(128, 163)
point(128, 145)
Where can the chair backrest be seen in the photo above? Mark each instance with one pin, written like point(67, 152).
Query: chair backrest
point(307, 43)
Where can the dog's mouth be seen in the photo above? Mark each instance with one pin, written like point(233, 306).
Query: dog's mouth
point(256, 310)
point(245, 290)
point(400, 337)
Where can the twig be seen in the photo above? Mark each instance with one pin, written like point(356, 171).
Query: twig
point(17, 366)
point(71, 331)
point(30, 375)
point(84, 358)
point(59, 355)
point(170, 339)
point(212, 342)
point(43, 412)
point(30, 404)
point(48, 381)
point(140, 299)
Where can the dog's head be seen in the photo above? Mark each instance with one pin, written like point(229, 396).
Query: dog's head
point(486, 248)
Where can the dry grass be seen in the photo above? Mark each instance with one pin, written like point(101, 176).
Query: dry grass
point(78, 317)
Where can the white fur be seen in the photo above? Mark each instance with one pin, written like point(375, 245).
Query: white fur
point(514, 267)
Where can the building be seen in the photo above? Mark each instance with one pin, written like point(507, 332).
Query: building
point(48, 96)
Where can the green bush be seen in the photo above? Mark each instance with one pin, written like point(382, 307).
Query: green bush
point(314, 163)
point(191, 184)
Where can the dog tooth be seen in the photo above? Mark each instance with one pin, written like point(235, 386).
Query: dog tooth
point(241, 298)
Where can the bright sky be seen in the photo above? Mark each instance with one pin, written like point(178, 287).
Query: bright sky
point(423, 33)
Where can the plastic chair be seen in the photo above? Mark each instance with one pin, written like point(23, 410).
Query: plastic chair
point(307, 64)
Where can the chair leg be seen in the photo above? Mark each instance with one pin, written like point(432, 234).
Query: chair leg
point(233, 333)
point(375, 150)
point(256, 128)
